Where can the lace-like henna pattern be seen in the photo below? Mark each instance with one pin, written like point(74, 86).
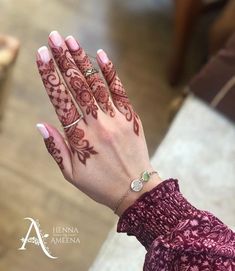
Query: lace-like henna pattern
point(50, 144)
point(119, 96)
point(94, 81)
point(176, 235)
point(65, 109)
point(75, 80)
point(57, 92)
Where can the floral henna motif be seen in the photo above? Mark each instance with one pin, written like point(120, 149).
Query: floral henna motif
point(119, 96)
point(65, 109)
point(75, 81)
point(83, 96)
point(50, 144)
point(94, 81)
point(79, 144)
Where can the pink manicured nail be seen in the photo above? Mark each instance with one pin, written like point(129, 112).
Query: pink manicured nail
point(42, 130)
point(72, 43)
point(102, 56)
point(55, 38)
point(44, 54)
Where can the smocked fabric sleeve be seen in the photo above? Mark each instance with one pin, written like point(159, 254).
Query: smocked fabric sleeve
point(176, 235)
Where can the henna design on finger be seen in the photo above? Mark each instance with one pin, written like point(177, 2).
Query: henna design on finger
point(84, 96)
point(55, 153)
point(65, 109)
point(94, 81)
point(75, 80)
point(58, 93)
point(119, 96)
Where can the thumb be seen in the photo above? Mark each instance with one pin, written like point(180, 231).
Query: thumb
point(57, 148)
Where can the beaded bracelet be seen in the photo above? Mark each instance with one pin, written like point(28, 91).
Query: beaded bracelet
point(136, 186)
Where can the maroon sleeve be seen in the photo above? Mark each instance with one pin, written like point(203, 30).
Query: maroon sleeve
point(176, 235)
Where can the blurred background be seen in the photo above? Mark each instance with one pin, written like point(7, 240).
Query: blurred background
point(157, 47)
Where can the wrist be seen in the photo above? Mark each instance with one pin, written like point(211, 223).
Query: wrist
point(133, 196)
point(156, 213)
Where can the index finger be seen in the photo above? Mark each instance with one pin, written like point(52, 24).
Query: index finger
point(56, 89)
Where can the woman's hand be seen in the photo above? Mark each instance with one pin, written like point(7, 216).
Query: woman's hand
point(104, 146)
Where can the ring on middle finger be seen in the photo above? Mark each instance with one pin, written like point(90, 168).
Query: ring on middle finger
point(91, 71)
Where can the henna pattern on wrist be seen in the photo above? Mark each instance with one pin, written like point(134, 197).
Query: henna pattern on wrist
point(55, 153)
point(75, 80)
point(65, 109)
point(94, 81)
point(119, 96)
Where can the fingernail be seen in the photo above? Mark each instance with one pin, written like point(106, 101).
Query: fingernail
point(44, 54)
point(72, 43)
point(55, 38)
point(102, 56)
point(42, 130)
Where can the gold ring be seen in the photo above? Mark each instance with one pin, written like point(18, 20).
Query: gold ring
point(91, 71)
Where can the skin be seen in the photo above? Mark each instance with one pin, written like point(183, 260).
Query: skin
point(106, 150)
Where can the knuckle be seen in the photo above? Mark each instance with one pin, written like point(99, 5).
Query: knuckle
point(108, 137)
point(106, 132)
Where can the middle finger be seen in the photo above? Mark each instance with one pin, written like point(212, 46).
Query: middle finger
point(96, 84)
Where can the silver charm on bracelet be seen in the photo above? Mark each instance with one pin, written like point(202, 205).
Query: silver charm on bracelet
point(136, 186)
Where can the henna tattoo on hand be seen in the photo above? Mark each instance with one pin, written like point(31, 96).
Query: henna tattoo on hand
point(65, 109)
point(84, 96)
point(119, 96)
point(75, 81)
point(94, 81)
point(79, 144)
point(55, 153)
point(58, 93)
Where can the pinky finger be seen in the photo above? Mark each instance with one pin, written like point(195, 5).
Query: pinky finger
point(57, 148)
